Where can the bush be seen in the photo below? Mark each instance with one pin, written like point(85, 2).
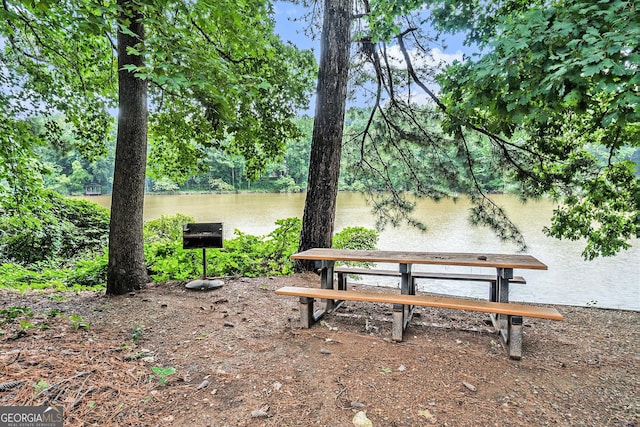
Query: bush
point(89, 273)
point(167, 228)
point(254, 256)
point(244, 255)
point(356, 238)
point(163, 249)
point(217, 184)
point(84, 274)
point(61, 230)
point(286, 184)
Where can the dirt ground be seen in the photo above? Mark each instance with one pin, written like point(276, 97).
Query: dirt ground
point(240, 359)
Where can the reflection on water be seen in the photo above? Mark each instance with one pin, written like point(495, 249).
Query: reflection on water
point(609, 282)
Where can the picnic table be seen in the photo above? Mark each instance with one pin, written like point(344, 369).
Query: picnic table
point(507, 317)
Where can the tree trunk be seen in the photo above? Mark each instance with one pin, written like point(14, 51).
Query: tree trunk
point(127, 268)
point(326, 143)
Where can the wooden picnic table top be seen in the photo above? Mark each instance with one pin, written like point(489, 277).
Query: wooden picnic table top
point(438, 258)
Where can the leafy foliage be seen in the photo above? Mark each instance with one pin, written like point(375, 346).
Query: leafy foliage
point(85, 274)
point(356, 238)
point(554, 92)
point(61, 228)
point(558, 81)
point(10, 314)
point(219, 78)
point(254, 256)
point(163, 249)
point(220, 91)
point(167, 228)
point(244, 254)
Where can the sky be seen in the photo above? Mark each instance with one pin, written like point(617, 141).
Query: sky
point(291, 30)
point(291, 23)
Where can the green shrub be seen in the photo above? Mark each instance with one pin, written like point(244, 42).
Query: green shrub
point(356, 238)
point(168, 261)
point(167, 228)
point(163, 249)
point(60, 230)
point(89, 273)
point(217, 184)
point(254, 256)
point(84, 274)
point(245, 254)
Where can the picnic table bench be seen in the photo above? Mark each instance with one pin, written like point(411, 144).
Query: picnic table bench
point(507, 317)
point(343, 272)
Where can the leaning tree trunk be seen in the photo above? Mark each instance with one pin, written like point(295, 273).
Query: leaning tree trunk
point(127, 268)
point(326, 143)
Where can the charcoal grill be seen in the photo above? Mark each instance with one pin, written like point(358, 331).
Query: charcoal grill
point(202, 235)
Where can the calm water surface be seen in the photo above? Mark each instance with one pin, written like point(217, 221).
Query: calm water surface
point(608, 282)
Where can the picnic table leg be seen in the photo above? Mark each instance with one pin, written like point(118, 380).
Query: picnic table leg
point(326, 274)
point(406, 285)
point(326, 282)
point(493, 291)
point(307, 317)
point(402, 313)
point(515, 337)
point(504, 274)
point(397, 328)
point(342, 281)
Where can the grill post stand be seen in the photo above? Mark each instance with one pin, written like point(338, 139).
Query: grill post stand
point(204, 263)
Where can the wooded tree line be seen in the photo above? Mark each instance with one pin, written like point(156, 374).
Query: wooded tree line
point(554, 85)
point(70, 174)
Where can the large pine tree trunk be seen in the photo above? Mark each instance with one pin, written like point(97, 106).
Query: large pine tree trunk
point(127, 268)
point(326, 144)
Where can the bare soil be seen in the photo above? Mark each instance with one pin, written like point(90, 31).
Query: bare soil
point(240, 359)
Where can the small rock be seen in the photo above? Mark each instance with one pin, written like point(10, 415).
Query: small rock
point(427, 414)
point(229, 324)
point(261, 413)
point(469, 386)
point(357, 405)
point(325, 351)
point(361, 420)
point(203, 384)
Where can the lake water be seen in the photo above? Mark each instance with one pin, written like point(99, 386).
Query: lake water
point(607, 282)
